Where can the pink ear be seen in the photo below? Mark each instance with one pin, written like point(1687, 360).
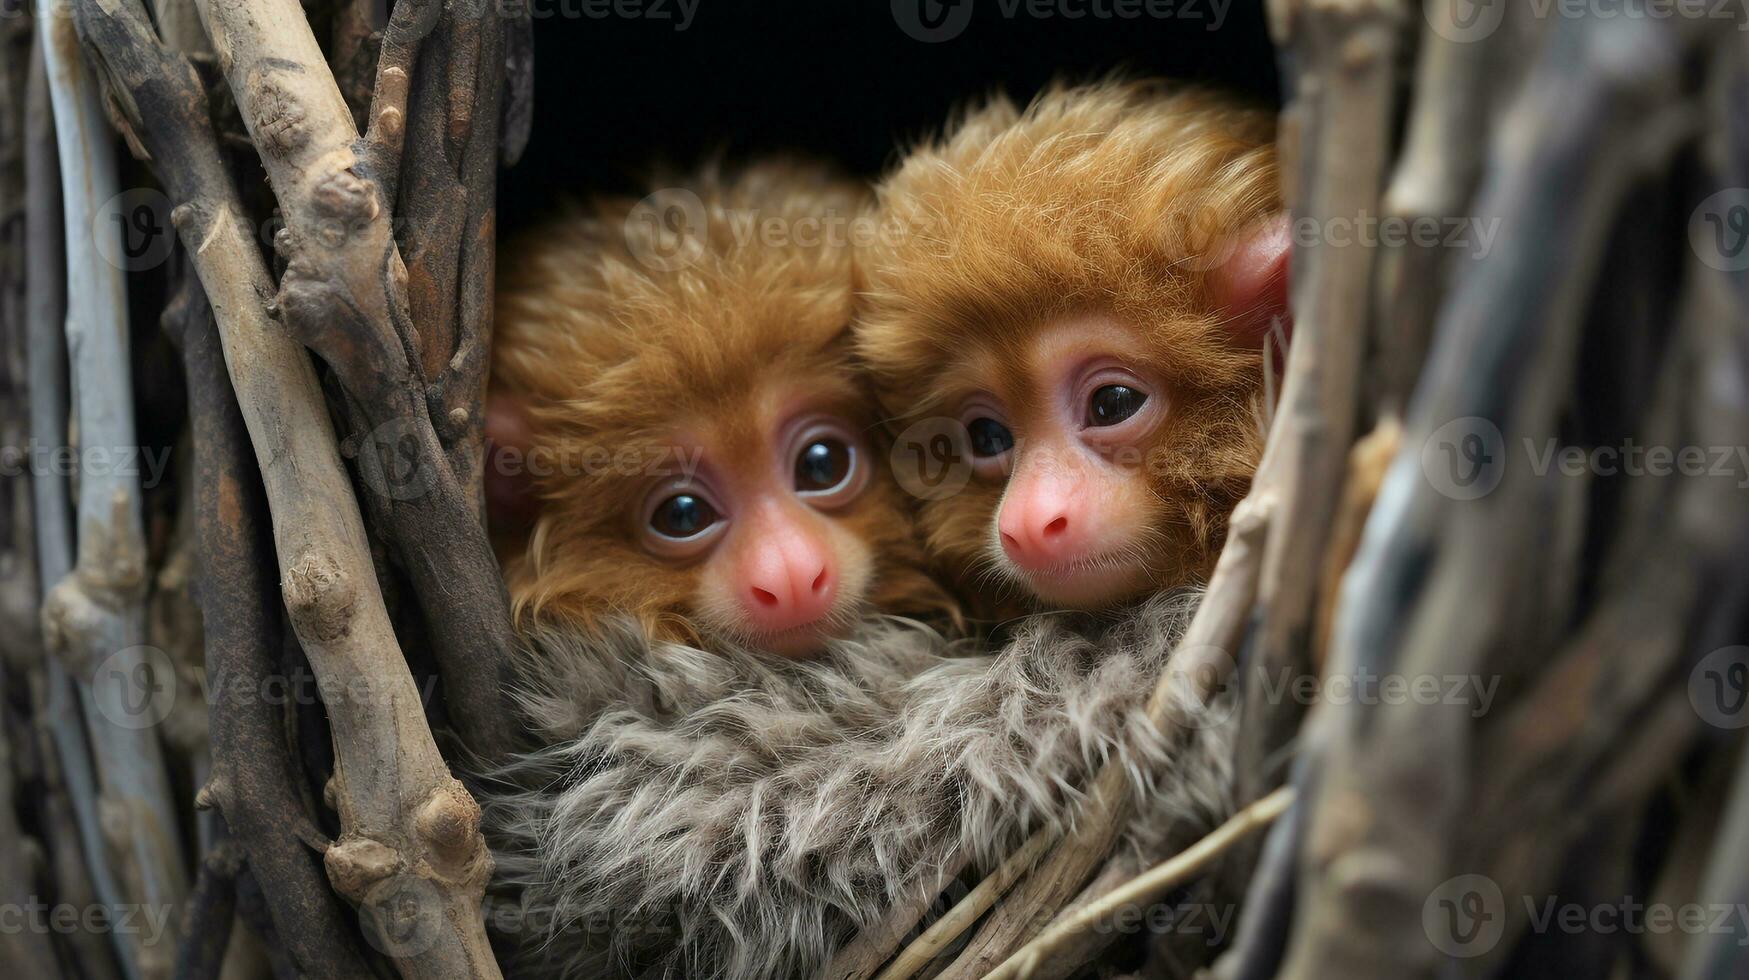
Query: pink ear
point(510, 500)
point(1251, 285)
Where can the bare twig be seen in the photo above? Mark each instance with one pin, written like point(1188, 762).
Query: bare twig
point(1142, 890)
point(206, 928)
point(345, 294)
point(968, 910)
point(94, 617)
point(410, 853)
point(255, 774)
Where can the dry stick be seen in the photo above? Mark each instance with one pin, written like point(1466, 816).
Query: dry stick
point(345, 295)
point(1504, 350)
point(255, 774)
point(56, 700)
point(93, 954)
point(863, 956)
point(969, 909)
point(21, 656)
point(207, 920)
point(1436, 174)
point(410, 852)
point(1145, 888)
point(440, 167)
point(30, 949)
point(1351, 53)
point(95, 617)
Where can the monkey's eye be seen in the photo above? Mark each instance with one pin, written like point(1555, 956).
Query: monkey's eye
point(989, 437)
point(682, 516)
point(822, 465)
point(1112, 404)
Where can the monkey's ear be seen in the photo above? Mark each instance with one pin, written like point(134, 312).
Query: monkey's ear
point(510, 502)
point(1251, 285)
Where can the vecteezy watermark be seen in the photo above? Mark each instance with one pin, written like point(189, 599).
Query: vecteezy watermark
point(1474, 692)
point(680, 13)
point(1718, 230)
point(37, 917)
point(932, 458)
point(933, 21)
point(1466, 916)
point(146, 463)
point(135, 687)
point(1466, 459)
point(671, 228)
point(1473, 235)
point(1718, 688)
point(132, 230)
point(1210, 922)
point(402, 916)
point(301, 686)
point(1465, 21)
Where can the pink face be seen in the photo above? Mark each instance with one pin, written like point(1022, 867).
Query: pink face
point(1074, 519)
point(1077, 426)
point(761, 522)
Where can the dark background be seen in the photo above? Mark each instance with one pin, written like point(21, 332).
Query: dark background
point(839, 79)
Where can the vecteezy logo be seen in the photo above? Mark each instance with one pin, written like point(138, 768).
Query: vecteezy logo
point(1464, 21)
point(932, 459)
point(1465, 458)
point(402, 916)
point(666, 230)
point(1718, 230)
point(135, 688)
point(1465, 916)
point(932, 21)
point(1718, 688)
point(132, 230)
point(391, 464)
point(1199, 697)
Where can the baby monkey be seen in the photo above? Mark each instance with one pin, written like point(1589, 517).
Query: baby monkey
point(675, 375)
point(1085, 287)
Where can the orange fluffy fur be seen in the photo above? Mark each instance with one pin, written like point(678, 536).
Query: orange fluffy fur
point(608, 352)
point(1107, 199)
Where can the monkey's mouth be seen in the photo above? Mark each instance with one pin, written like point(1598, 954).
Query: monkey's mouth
point(807, 640)
point(1090, 582)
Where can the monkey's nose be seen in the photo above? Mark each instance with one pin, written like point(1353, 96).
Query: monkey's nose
point(1039, 535)
point(790, 588)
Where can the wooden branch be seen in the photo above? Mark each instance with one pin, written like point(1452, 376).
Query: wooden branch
point(95, 956)
point(255, 774)
point(46, 285)
point(1394, 791)
point(864, 955)
point(970, 909)
point(206, 927)
point(410, 852)
point(345, 294)
point(94, 617)
point(1042, 956)
point(21, 949)
point(1436, 175)
point(1349, 57)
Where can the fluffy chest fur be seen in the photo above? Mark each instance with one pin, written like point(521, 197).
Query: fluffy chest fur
point(708, 815)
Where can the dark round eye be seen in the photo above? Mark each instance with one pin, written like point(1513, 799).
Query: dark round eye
point(682, 516)
point(989, 437)
point(1112, 404)
point(823, 465)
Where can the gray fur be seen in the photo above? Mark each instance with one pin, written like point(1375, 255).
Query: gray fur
point(724, 815)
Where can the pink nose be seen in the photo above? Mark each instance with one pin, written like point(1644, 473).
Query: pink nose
point(1041, 526)
point(789, 584)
